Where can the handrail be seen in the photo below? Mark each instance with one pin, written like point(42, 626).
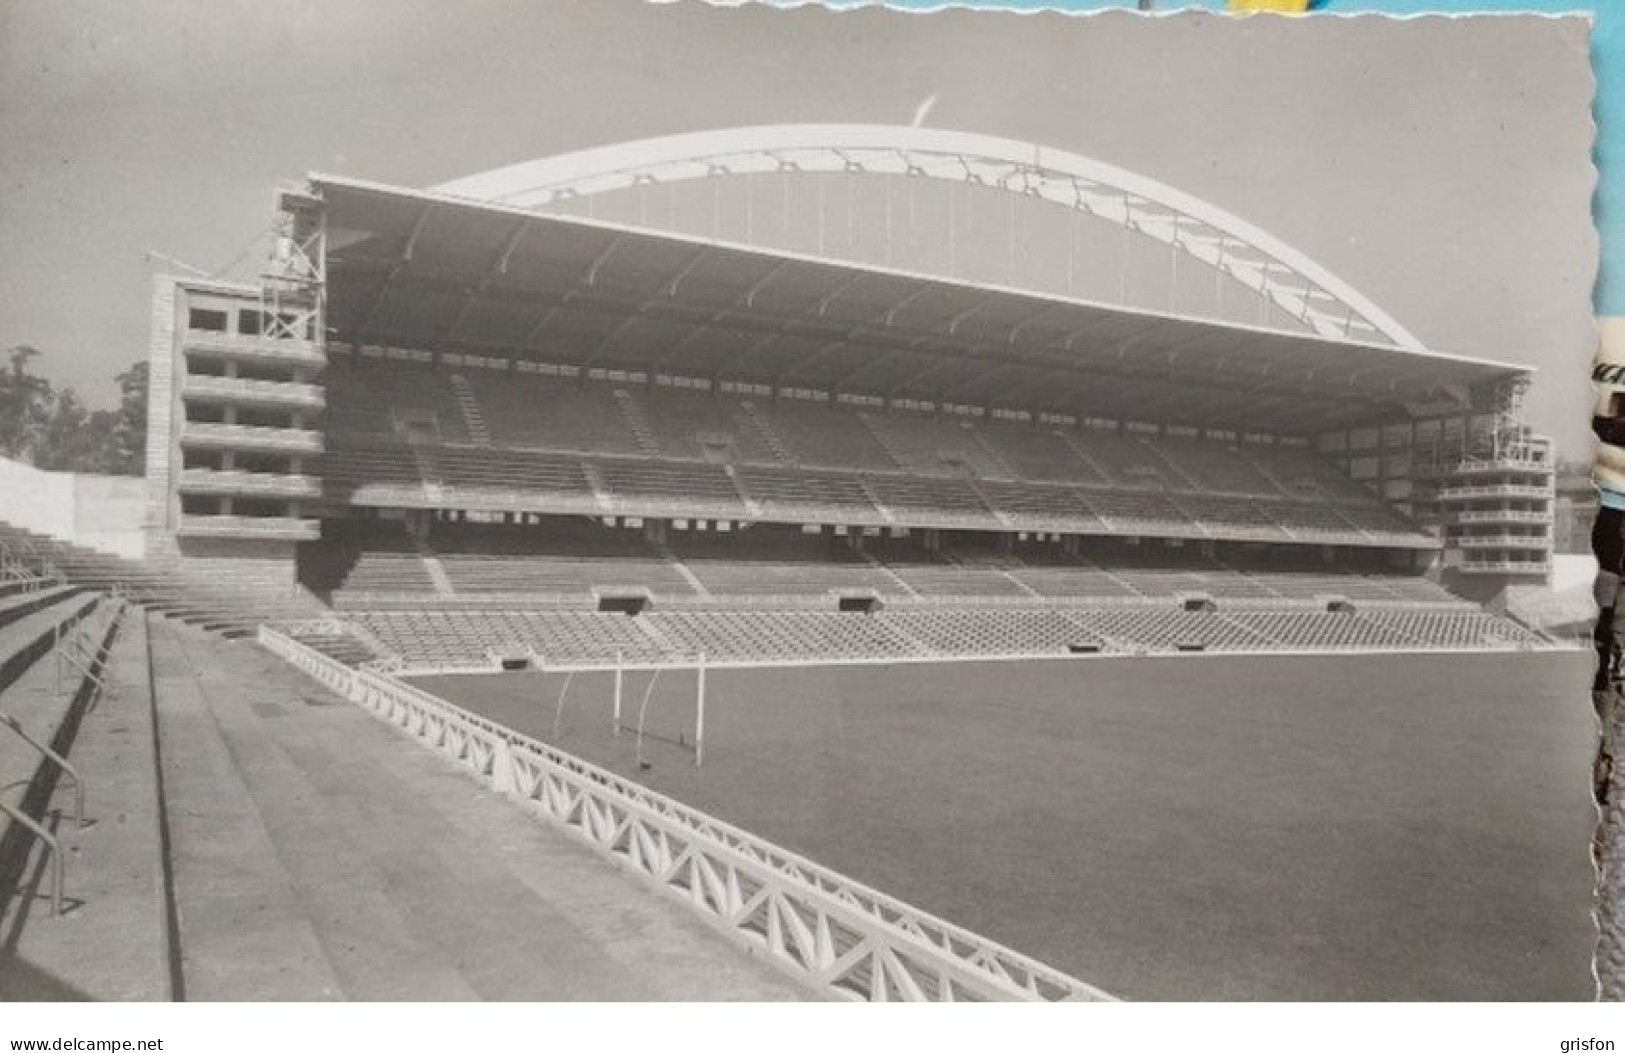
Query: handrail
point(844, 938)
point(63, 646)
point(55, 758)
point(51, 843)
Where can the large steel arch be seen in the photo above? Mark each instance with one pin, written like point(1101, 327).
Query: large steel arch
point(1208, 234)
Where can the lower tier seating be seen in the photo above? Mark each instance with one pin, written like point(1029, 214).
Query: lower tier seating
point(475, 638)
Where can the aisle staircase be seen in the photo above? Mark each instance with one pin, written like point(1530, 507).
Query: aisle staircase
point(479, 433)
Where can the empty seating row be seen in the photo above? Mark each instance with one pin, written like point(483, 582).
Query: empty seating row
point(605, 417)
point(473, 638)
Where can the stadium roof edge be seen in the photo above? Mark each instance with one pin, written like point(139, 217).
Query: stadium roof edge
point(1417, 369)
point(319, 178)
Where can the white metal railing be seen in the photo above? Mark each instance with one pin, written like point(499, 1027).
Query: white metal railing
point(1449, 493)
point(69, 646)
point(841, 937)
point(1501, 516)
point(15, 568)
point(52, 846)
point(1530, 541)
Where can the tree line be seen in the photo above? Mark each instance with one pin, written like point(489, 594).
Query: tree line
point(52, 428)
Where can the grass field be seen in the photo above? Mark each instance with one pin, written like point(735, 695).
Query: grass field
point(1332, 827)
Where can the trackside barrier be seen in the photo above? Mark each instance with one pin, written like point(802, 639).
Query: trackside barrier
point(842, 938)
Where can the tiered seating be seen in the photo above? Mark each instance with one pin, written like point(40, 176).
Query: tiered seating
point(1126, 458)
point(931, 577)
point(1165, 629)
point(216, 597)
point(418, 398)
point(341, 646)
point(1239, 516)
point(1165, 573)
point(690, 424)
point(1040, 454)
point(367, 473)
point(991, 632)
point(1454, 630)
point(565, 444)
point(567, 556)
point(763, 562)
point(545, 480)
point(468, 637)
point(1318, 630)
point(389, 572)
point(933, 445)
point(949, 501)
point(1054, 574)
point(678, 488)
point(778, 635)
point(529, 411)
point(1314, 519)
point(812, 496)
point(818, 435)
point(364, 557)
point(1217, 466)
point(1135, 510)
point(1301, 473)
point(1411, 588)
point(1033, 506)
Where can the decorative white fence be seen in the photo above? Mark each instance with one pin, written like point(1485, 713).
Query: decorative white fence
point(842, 938)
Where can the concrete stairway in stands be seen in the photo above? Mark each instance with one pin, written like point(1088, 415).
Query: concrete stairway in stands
point(220, 604)
point(107, 942)
point(111, 940)
point(318, 855)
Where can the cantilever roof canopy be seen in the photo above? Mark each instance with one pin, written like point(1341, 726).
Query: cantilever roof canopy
point(419, 269)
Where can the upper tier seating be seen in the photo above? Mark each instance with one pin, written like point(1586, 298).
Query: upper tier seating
point(811, 495)
point(1040, 453)
point(525, 441)
point(935, 445)
point(819, 435)
point(550, 413)
point(696, 425)
point(416, 400)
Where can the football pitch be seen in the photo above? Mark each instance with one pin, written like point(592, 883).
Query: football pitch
point(1199, 827)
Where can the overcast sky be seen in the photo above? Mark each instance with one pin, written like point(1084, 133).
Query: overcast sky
point(1439, 166)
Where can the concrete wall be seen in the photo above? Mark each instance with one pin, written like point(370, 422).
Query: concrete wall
point(104, 512)
point(269, 565)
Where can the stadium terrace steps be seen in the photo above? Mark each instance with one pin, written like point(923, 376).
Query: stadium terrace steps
point(220, 600)
point(20, 605)
point(24, 640)
point(319, 855)
point(112, 942)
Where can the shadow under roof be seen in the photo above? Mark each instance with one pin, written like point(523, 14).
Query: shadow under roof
point(418, 269)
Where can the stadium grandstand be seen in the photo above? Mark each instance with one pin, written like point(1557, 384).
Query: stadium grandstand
point(469, 429)
point(439, 407)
